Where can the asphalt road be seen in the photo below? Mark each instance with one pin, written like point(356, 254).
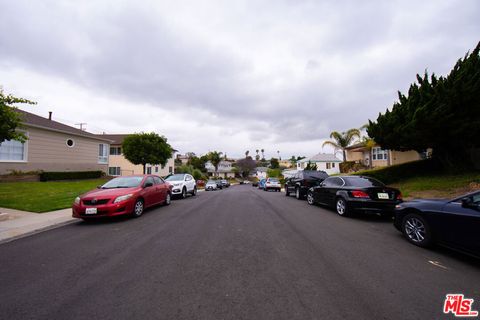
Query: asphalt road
point(239, 253)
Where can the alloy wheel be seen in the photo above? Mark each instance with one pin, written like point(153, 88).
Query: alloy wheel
point(310, 198)
point(415, 229)
point(168, 199)
point(138, 208)
point(341, 207)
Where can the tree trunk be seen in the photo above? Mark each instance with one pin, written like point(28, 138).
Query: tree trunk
point(344, 155)
point(144, 168)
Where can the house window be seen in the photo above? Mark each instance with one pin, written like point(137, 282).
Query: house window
point(170, 170)
point(149, 170)
point(114, 171)
point(156, 169)
point(115, 151)
point(379, 154)
point(103, 153)
point(13, 150)
point(328, 165)
point(70, 143)
point(333, 164)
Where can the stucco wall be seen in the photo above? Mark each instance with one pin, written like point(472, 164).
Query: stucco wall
point(47, 150)
point(399, 157)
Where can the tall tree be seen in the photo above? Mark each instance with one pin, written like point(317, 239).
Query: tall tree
point(274, 164)
point(340, 141)
point(263, 154)
point(257, 157)
point(439, 113)
point(146, 148)
point(215, 158)
point(246, 153)
point(246, 165)
point(10, 119)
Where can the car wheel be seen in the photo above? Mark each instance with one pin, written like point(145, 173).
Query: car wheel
point(297, 193)
point(194, 192)
point(342, 207)
point(287, 193)
point(310, 200)
point(168, 199)
point(138, 208)
point(184, 193)
point(417, 231)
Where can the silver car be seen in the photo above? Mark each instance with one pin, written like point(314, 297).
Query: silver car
point(211, 185)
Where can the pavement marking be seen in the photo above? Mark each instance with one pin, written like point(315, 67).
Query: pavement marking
point(437, 264)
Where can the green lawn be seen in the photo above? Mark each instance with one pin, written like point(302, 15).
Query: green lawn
point(43, 196)
point(439, 186)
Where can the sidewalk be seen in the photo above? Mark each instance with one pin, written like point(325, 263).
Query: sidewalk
point(16, 224)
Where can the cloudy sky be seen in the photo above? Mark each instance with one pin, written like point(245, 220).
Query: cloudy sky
point(229, 76)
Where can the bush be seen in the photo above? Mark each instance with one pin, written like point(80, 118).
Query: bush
point(73, 175)
point(402, 171)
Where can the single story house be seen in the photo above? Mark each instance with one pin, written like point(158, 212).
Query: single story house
point(53, 146)
point(260, 172)
point(118, 165)
point(380, 157)
point(225, 169)
point(325, 162)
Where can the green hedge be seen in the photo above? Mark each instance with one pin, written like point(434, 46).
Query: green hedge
point(73, 175)
point(402, 171)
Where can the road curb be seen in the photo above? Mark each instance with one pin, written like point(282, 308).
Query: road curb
point(39, 230)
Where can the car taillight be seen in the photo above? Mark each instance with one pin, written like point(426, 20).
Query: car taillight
point(359, 194)
point(399, 196)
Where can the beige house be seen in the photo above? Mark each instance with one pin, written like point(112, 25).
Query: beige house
point(379, 157)
point(53, 146)
point(119, 166)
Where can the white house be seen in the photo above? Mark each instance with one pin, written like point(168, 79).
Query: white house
point(325, 162)
point(260, 172)
point(225, 169)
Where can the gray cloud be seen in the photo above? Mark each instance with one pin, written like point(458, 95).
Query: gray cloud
point(279, 71)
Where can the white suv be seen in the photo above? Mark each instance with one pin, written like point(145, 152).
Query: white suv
point(182, 184)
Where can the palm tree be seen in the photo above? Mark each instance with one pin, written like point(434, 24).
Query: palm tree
point(369, 144)
point(263, 155)
point(215, 158)
point(342, 140)
point(257, 157)
point(246, 153)
point(278, 153)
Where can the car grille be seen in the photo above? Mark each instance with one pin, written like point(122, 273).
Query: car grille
point(93, 202)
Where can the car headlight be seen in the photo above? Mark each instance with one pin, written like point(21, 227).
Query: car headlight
point(77, 200)
point(123, 198)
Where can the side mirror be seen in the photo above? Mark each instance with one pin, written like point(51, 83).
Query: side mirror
point(148, 184)
point(99, 187)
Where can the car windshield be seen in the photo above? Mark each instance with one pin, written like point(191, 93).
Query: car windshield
point(123, 182)
point(362, 182)
point(273, 180)
point(175, 177)
point(211, 181)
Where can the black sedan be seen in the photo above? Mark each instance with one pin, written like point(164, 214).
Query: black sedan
point(348, 194)
point(452, 223)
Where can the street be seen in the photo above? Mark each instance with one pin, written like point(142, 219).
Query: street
point(238, 253)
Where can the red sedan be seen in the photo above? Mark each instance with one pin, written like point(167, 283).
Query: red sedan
point(123, 195)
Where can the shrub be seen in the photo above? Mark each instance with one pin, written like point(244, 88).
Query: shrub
point(402, 171)
point(72, 175)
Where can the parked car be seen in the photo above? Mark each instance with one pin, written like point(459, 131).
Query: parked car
point(261, 183)
point(451, 223)
point(225, 183)
point(182, 183)
point(122, 196)
point(219, 184)
point(348, 194)
point(255, 183)
point(272, 184)
point(302, 181)
point(211, 185)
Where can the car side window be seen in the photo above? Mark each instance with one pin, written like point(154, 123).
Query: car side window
point(148, 180)
point(476, 198)
point(337, 182)
point(158, 180)
point(328, 183)
point(188, 178)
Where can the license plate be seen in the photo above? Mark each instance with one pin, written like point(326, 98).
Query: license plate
point(91, 211)
point(383, 195)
